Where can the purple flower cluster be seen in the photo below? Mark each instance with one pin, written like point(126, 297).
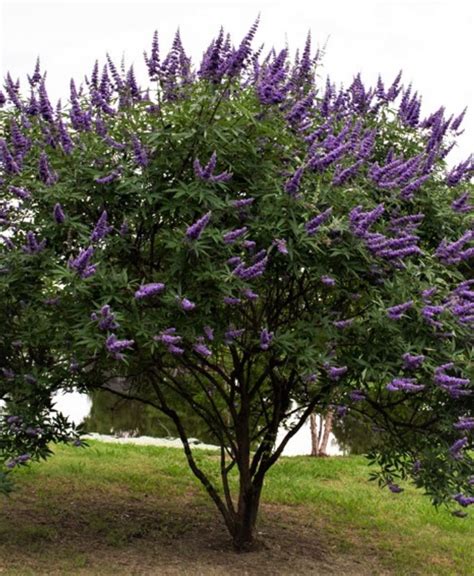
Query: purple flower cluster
point(22, 459)
point(206, 173)
point(186, 304)
point(105, 318)
point(404, 385)
point(412, 361)
point(397, 312)
point(249, 294)
point(456, 448)
point(341, 324)
point(455, 252)
point(147, 290)
point(32, 246)
point(266, 338)
point(460, 172)
point(200, 348)
point(394, 488)
point(313, 225)
point(391, 249)
point(232, 334)
point(292, 185)
point(328, 280)
point(101, 228)
point(115, 347)
point(232, 301)
point(257, 268)
point(139, 152)
point(7, 160)
point(281, 245)
point(461, 204)
point(464, 423)
point(234, 235)
point(209, 332)
point(81, 264)
point(335, 373)
point(171, 340)
point(242, 202)
point(357, 395)
point(194, 231)
point(21, 193)
point(58, 214)
point(46, 174)
point(464, 501)
point(108, 178)
point(455, 386)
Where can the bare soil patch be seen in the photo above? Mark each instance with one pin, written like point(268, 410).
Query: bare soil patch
point(59, 531)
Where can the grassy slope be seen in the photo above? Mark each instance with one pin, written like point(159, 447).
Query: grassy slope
point(108, 496)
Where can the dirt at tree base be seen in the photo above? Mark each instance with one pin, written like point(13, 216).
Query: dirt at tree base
point(53, 531)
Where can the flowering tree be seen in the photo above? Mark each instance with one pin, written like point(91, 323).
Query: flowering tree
point(239, 238)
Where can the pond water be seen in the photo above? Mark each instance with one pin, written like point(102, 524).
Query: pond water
point(106, 416)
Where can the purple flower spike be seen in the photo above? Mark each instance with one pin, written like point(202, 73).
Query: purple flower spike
point(281, 245)
point(357, 395)
point(101, 229)
point(456, 448)
point(202, 349)
point(206, 173)
point(313, 225)
point(108, 178)
point(115, 347)
point(232, 334)
point(250, 294)
point(464, 501)
point(412, 361)
point(81, 263)
point(465, 423)
point(32, 245)
point(293, 184)
point(187, 305)
point(105, 318)
point(461, 204)
point(21, 193)
point(242, 203)
point(395, 488)
point(328, 281)
point(139, 152)
point(194, 231)
point(396, 312)
point(231, 301)
point(266, 338)
point(234, 235)
point(341, 324)
point(336, 372)
point(209, 332)
point(58, 214)
point(404, 385)
point(147, 290)
point(46, 175)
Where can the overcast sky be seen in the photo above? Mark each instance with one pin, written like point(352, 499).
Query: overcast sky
point(431, 40)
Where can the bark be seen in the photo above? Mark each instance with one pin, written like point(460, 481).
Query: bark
point(244, 534)
point(320, 439)
point(314, 434)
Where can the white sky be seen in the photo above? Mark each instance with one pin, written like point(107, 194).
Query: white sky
point(431, 40)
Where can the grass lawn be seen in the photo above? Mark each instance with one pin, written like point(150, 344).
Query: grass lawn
point(129, 510)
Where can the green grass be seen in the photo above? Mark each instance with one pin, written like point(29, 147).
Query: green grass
point(402, 534)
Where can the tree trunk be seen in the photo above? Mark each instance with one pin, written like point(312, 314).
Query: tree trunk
point(319, 440)
point(314, 434)
point(327, 430)
point(245, 521)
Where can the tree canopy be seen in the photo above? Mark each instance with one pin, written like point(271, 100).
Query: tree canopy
point(249, 240)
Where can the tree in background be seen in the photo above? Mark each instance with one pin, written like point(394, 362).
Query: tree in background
point(237, 237)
